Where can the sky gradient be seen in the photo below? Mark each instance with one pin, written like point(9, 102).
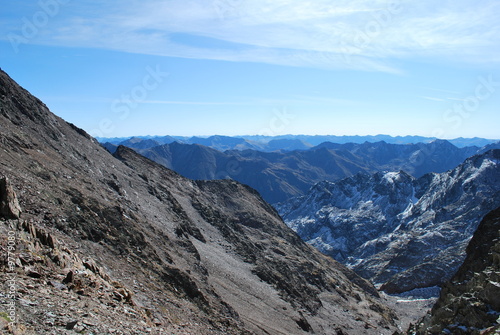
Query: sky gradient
point(236, 67)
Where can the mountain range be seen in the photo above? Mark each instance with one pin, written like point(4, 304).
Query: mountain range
point(101, 243)
point(401, 232)
point(281, 175)
point(281, 142)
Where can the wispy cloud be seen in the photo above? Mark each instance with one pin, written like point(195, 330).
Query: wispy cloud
point(440, 90)
point(356, 34)
point(444, 99)
point(433, 99)
point(201, 103)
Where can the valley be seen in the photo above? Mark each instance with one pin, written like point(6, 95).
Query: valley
point(181, 238)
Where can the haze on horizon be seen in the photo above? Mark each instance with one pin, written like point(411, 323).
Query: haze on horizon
point(263, 67)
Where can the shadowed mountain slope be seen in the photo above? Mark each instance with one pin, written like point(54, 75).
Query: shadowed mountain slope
point(281, 175)
point(121, 244)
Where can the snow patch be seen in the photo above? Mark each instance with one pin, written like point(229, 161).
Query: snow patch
point(420, 294)
point(391, 176)
point(487, 163)
point(299, 223)
point(326, 242)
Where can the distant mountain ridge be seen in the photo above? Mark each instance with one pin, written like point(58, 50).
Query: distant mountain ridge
point(280, 175)
point(399, 231)
point(283, 142)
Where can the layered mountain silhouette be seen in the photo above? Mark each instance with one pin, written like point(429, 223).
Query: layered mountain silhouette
point(281, 175)
point(282, 142)
point(120, 244)
point(217, 142)
point(400, 232)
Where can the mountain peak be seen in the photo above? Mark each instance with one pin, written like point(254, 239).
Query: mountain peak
point(443, 143)
point(397, 177)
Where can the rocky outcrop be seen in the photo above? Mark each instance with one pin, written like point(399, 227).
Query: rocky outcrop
point(49, 286)
point(470, 302)
point(9, 205)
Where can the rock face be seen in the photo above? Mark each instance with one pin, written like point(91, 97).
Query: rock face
point(401, 232)
point(9, 205)
point(120, 244)
point(470, 302)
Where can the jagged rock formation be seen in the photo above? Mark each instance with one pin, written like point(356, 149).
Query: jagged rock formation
point(339, 218)
point(120, 244)
point(9, 205)
point(402, 232)
point(470, 302)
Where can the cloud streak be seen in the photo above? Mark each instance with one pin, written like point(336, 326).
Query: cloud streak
point(359, 34)
point(196, 103)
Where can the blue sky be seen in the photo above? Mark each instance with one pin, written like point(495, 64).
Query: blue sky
point(241, 67)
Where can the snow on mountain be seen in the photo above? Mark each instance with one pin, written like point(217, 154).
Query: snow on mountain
point(401, 232)
point(337, 218)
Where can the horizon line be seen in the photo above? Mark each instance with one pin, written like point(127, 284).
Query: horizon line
point(297, 135)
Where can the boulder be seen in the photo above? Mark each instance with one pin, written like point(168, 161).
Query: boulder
point(9, 205)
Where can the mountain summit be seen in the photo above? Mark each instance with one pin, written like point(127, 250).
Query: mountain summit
point(119, 244)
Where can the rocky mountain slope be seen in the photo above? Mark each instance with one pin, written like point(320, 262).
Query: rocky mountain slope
point(470, 302)
point(279, 176)
point(121, 245)
point(402, 233)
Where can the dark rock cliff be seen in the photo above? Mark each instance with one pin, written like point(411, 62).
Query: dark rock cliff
point(470, 302)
